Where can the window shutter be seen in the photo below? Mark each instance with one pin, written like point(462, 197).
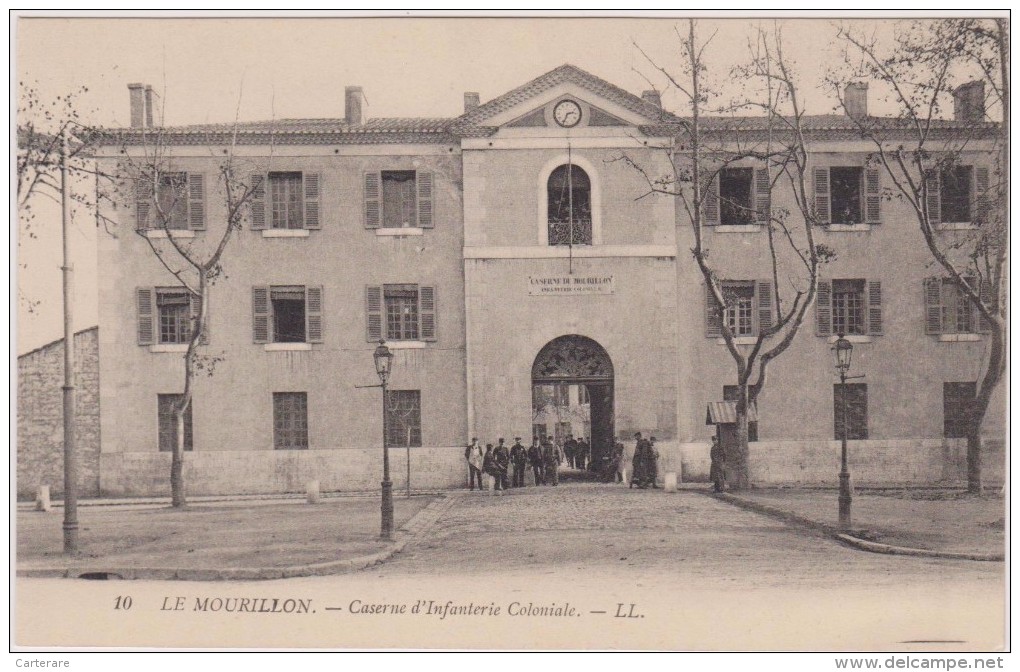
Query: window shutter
point(984, 324)
point(260, 313)
point(873, 195)
point(424, 181)
point(711, 203)
point(373, 312)
point(257, 201)
point(373, 203)
point(713, 315)
point(427, 311)
point(146, 303)
point(981, 197)
point(143, 203)
point(934, 184)
point(762, 195)
point(196, 312)
point(313, 314)
point(822, 198)
point(823, 308)
point(764, 296)
point(875, 307)
point(933, 306)
point(312, 183)
point(196, 201)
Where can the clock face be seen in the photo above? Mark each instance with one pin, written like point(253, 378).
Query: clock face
point(567, 113)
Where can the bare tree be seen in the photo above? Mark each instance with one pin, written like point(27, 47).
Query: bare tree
point(773, 141)
point(166, 198)
point(922, 151)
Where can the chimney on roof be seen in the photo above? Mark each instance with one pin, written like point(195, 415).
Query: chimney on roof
point(855, 99)
point(653, 97)
point(136, 94)
point(471, 101)
point(969, 102)
point(148, 105)
point(352, 105)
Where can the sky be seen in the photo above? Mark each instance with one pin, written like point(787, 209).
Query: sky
point(211, 70)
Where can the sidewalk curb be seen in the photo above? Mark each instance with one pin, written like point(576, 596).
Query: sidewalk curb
point(418, 524)
point(846, 539)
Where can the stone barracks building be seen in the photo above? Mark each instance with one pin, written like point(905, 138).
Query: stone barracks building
point(526, 288)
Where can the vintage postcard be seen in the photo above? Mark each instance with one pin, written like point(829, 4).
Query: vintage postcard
point(548, 333)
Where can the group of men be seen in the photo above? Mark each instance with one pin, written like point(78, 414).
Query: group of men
point(507, 466)
point(645, 463)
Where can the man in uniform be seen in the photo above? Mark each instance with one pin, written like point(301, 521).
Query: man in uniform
point(519, 458)
point(717, 472)
point(638, 461)
point(537, 461)
point(474, 456)
point(501, 456)
point(581, 451)
point(569, 449)
point(551, 462)
point(652, 456)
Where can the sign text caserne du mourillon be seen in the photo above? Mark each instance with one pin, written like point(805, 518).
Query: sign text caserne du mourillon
point(569, 285)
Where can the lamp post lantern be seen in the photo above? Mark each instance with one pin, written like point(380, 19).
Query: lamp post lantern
point(383, 361)
point(844, 350)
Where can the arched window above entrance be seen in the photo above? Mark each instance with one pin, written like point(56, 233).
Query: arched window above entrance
point(569, 206)
point(572, 357)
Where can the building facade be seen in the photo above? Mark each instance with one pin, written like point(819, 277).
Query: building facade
point(510, 255)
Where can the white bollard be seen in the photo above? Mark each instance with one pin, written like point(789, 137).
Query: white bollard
point(312, 489)
point(626, 476)
point(42, 498)
point(670, 484)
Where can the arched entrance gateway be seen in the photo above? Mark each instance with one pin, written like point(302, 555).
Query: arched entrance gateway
point(572, 393)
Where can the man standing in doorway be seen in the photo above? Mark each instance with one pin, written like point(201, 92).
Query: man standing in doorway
point(519, 458)
point(581, 454)
point(551, 462)
point(474, 456)
point(570, 449)
point(537, 461)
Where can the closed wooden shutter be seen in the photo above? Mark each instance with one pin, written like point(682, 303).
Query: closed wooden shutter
point(873, 195)
point(823, 308)
point(373, 199)
point(981, 198)
point(933, 306)
point(145, 300)
point(373, 313)
point(713, 315)
point(313, 314)
point(427, 311)
point(711, 203)
point(822, 196)
point(424, 180)
point(260, 313)
point(143, 202)
point(934, 198)
point(983, 323)
point(762, 195)
point(196, 313)
point(257, 200)
point(764, 301)
point(875, 307)
point(312, 183)
point(196, 201)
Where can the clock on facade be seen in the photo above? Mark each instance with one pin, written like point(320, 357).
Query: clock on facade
point(567, 113)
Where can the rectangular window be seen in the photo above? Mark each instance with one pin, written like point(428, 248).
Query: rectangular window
point(848, 303)
point(167, 426)
point(582, 395)
point(172, 200)
point(288, 305)
point(955, 193)
point(539, 430)
point(730, 393)
point(949, 309)
point(856, 411)
point(562, 429)
point(403, 426)
point(736, 196)
point(290, 420)
point(399, 199)
point(846, 184)
point(401, 312)
point(174, 306)
point(286, 200)
point(957, 399)
point(562, 395)
point(740, 308)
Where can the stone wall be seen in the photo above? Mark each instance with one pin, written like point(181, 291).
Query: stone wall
point(40, 444)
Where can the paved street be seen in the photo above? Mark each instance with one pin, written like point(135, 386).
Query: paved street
point(701, 574)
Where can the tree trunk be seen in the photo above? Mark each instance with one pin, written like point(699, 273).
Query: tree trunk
point(177, 497)
point(741, 472)
point(974, 485)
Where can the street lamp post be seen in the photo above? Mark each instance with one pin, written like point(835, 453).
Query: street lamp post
point(844, 352)
point(383, 361)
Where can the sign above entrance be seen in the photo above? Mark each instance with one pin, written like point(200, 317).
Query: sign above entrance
point(570, 285)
